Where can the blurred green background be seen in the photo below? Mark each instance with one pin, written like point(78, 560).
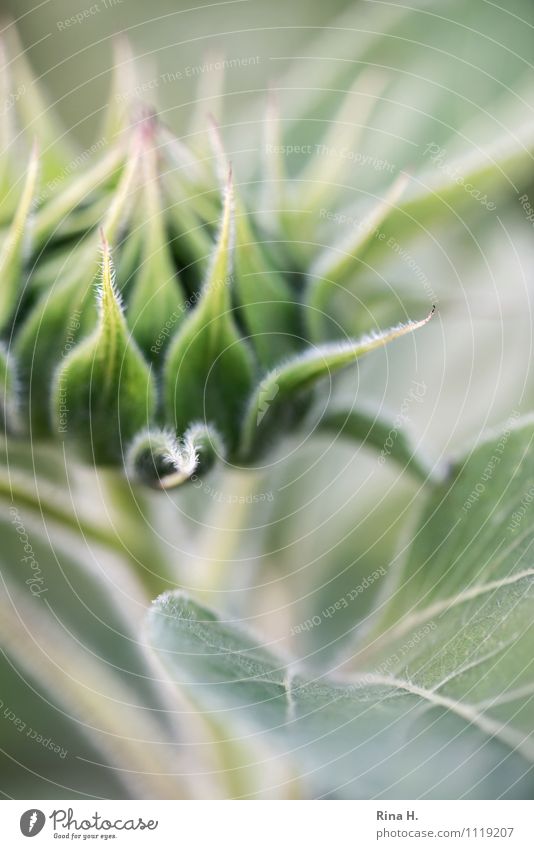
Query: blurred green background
point(462, 55)
point(167, 36)
point(457, 74)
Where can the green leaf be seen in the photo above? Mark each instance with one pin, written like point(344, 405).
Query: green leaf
point(454, 180)
point(274, 398)
point(273, 168)
point(74, 645)
point(155, 295)
point(268, 304)
point(384, 432)
point(192, 206)
point(314, 80)
point(34, 111)
point(15, 245)
point(328, 165)
point(186, 170)
point(124, 85)
point(8, 134)
point(61, 197)
point(67, 309)
point(475, 552)
point(331, 268)
point(208, 369)
point(435, 703)
point(370, 737)
point(103, 393)
point(452, 187)
point(36, 714)
point(188, 236)
point(9, 402)
point(207, 100)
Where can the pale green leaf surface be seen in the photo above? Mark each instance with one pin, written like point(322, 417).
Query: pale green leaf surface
point(381, 431)
point(440, 703)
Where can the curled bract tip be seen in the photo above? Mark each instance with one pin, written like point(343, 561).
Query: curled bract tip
point(157, 458)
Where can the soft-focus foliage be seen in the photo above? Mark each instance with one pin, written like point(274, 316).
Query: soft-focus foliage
point(208, 301)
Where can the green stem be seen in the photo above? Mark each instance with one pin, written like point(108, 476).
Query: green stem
point(14, 489)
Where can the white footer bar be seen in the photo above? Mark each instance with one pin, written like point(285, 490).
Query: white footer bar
point(268, 824)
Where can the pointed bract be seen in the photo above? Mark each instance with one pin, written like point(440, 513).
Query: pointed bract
point(274, 400)
point(208, 369)
point(104, 392)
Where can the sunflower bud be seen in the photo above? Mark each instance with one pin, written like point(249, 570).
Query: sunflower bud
point(208, 344)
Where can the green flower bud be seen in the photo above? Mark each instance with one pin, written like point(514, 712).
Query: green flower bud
point(200, 350)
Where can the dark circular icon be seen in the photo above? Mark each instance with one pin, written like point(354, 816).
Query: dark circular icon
point(32, 822)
